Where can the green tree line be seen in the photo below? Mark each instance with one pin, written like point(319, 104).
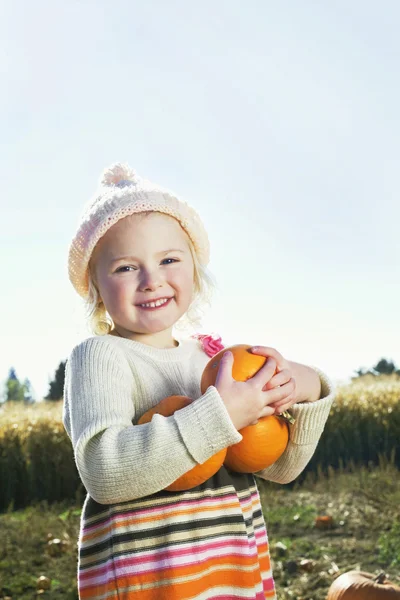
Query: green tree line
point(22, 391)
point(16, 390)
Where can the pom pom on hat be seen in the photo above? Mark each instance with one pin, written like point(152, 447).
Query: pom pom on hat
point(118, 174)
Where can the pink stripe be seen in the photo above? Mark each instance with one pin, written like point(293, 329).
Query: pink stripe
point(192, 556)
point(161, 555)
point(269, 584)
point(261, 535)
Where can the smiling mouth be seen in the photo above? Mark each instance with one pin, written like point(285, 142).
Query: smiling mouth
point(155, 305)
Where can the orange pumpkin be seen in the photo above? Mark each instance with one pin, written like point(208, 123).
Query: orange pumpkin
point(264, 442)
point(358, 585)
point(200, 472)
point(245, 365)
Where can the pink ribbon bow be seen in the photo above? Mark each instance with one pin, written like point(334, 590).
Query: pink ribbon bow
point(211, 343)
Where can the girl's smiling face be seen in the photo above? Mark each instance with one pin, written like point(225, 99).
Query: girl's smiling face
point(140, 259)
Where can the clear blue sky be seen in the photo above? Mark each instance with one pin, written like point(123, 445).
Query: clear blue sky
point(279, 121)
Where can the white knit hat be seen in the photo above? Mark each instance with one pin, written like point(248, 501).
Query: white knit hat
point(122, 193)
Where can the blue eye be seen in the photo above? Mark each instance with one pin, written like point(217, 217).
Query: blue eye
point(120, 269)
point(124, 268)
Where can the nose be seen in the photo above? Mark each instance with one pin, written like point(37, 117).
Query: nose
point(150, 280)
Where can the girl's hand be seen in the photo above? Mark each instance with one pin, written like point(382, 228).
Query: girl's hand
point(283, 378)
point(247, 401)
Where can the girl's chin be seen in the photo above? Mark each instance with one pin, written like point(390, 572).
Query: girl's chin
point(134, 330)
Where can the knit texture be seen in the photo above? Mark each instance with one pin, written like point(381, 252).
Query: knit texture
point(110, 382)
point(122, 193)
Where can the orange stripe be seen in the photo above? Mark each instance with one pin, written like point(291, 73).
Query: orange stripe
point(100, 590)
point(181, 590)
point(265, 563)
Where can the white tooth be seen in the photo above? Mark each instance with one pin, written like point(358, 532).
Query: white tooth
point(154, 304)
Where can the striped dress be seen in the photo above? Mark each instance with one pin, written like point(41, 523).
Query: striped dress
point(206, 543)
point(137, 540)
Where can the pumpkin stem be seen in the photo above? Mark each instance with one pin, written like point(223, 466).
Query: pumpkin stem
point(380, 578)
point(288, 417)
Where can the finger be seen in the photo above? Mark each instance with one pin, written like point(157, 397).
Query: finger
point(267, 351)
point(281, 403)
point(265, 374)
point(280, 393)
point(267, 411)
point(291, 393)
point(279, 379)
point(286, 406)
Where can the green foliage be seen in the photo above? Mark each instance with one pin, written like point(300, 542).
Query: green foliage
point(303, 515)
point(382, 367)
point(389, 545)
point(363, 426)
point(36, 459)
point(385, 367)
point(56, 390)
point(15, 390)
point(28, 394)
point(51, 467)
point(13, 470)
point(25, 555)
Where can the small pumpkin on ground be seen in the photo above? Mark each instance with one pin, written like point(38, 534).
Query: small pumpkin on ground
point(358, 585)
point(324, 522)
point(264, 442)
point(199, 473)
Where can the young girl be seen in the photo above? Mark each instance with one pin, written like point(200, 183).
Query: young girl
point(139, 258)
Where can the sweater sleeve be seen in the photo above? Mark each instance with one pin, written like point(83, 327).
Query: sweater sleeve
point(116, 460)
point(304, 435)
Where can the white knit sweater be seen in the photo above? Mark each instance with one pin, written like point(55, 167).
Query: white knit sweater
point(111, 381)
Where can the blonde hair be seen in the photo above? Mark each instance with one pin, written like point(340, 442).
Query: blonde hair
point(204, 285)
